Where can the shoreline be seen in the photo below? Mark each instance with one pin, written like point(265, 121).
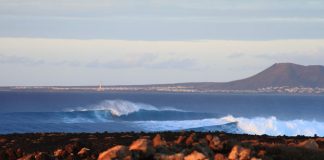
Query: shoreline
point(159, 145)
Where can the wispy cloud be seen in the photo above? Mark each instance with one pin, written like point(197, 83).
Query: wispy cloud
point(9, 59)
point(138, 62)
point(148, 61)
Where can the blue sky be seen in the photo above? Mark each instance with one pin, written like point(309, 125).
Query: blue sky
point(81, 42)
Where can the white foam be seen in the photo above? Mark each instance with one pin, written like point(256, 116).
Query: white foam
point(178, 125)
point(273, 126)
point(120, 107)
point(258, 125)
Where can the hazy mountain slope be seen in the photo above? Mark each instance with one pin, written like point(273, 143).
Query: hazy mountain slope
point(279, 74)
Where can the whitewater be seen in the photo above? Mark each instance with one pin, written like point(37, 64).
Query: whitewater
point(123, 115)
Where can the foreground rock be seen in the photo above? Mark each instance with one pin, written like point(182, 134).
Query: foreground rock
point(142, 148)
point(196, 156)
point(117, 152)
point(309, 144)
point(239, 153)
point(160, 146)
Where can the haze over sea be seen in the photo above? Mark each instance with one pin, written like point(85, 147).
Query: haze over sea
point(91, 112)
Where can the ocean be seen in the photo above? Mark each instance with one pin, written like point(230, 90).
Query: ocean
point(22, 112)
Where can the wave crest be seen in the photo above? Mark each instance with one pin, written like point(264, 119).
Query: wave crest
point(273, 126)
point(118, 107)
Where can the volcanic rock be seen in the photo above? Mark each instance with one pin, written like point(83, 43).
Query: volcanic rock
point(158, 141)
point(83, 152)
point(219, 156)
point(27, 157)
point(59, 153)
point(215, 143)
point(191, 139)
point(239, 153)
point(309, 144)
point(142, 148)
point(43, 156)
point(177, 156)
point(180, 139)
point(196, 156)
point(117, 152)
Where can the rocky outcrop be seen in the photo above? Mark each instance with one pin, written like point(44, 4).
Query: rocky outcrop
point(239, 153)
point(196, 156)
point(84, 152)
point(161, 146)
point(219, 156)
point(159, 141)
point(309, 144)
point(60, 153)
point(117, 152)
point(177, 156)
point(142, 148)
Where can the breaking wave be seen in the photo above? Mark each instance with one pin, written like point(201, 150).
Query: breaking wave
point(274, 126)
point(117, 107)
point(121, 107)
point(119, 115)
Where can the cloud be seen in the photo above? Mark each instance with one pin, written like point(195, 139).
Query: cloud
point(236, 55)
point(162, 19)
point(148, 61)
point(19, 60)
point(139, 62)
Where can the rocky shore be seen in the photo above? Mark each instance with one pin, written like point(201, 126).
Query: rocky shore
point(160, 146)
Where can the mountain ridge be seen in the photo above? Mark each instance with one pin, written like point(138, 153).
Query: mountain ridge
point(277, 75)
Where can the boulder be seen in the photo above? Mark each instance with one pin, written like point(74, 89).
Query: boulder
point(309, 144)
point(117, 152)
point(177, 156)
point(83, 152)
point(180, 139)
point(43, 156)
point(196, 156)
point(59, 153)
point(219, 156)
point(142, 146)
point(191, 139)
point(3, 140)
point(262, 153)
point(239, 153)
point(235, 153)
point(72, 148)
point(27, 157)
point(253, 158)
point(245, 154)
point(158, 141)
point(209, 137)
point(203, 148)
point(215, 143)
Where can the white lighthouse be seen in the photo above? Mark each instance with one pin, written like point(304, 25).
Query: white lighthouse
point(100, 88)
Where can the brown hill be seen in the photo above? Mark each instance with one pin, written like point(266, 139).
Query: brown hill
point(279, 74)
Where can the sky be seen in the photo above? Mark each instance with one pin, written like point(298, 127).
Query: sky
point(117, 42)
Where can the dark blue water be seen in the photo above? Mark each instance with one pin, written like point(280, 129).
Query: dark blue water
point(75, 112)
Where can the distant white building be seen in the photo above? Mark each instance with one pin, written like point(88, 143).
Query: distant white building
point(100, 88)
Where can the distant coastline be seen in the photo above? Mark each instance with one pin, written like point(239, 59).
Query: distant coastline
point(164, 89)
point(280, 78)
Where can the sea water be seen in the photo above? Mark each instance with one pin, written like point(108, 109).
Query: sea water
point(22, 112)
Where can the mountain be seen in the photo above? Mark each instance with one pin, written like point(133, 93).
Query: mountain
point(278, 75)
